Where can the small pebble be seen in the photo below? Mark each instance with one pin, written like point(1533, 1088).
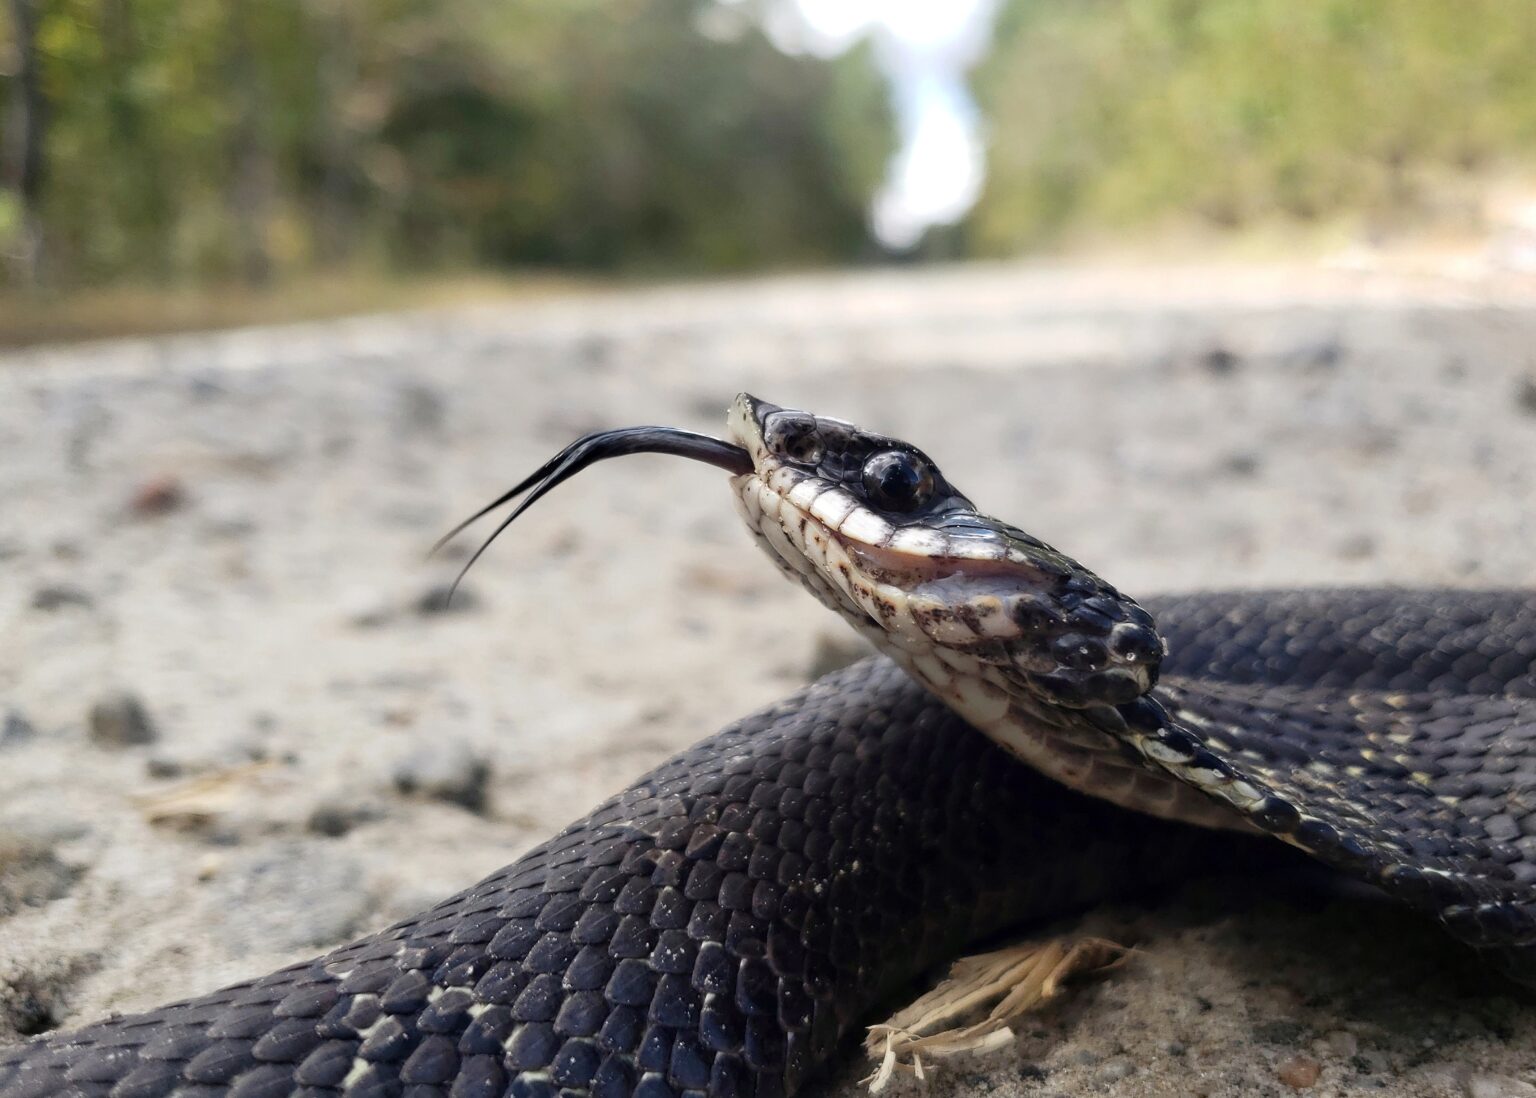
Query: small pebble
point(1371, 1063)
point(1299, 1072)
point(158, 496)
point(56, 596)
point(1498, 1086)
point(334, 819)
point(1121, 1067)
point(1280, 1031)
point(448, 771)
point(1220, 361)
point(31, 875)
point(120, 720)
point(442, 598)
point(1525, 396)
point(1341, 1043)
point(15, 728)
point(1242, 464)
point(1446, 1075)
point(162, 766)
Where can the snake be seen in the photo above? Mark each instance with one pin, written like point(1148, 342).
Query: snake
point(1028, 742)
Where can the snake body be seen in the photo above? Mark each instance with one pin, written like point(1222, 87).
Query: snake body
point(724, 923)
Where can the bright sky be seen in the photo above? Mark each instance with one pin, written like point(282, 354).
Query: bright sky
point(925, 48)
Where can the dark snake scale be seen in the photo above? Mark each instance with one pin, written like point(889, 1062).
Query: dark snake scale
point(721, 927)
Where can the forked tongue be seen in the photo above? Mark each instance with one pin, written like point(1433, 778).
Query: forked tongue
point(588, 450)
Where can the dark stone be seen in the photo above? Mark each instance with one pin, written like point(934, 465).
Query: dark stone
point(158, 496)
point(1242, 464)
point(1525, 396)
point(1282, 1031)
point(1220, 361)
point(31, 875)
point(334, 820)
point(120, 720)
point(448, 771)
point(56, 596)
point(442, 598)
point(15, 729)
point(162, 766)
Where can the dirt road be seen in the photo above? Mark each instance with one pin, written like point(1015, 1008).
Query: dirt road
point(214, 544)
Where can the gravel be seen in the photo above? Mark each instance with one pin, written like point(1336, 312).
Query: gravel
point(120, 720)
point(448, 771)
point(1172, 428)
point(15, 728)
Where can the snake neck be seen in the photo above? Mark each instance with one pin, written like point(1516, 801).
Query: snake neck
point(1108, 752)
point(1096, 751)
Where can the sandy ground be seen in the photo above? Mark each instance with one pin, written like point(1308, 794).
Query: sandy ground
point(231, 530)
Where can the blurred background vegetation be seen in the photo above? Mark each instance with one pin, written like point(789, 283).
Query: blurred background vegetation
point(308, 146)
point(1116, 115)
point(199, 139)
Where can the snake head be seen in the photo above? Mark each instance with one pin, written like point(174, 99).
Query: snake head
point(872, 527)
point(976, 608)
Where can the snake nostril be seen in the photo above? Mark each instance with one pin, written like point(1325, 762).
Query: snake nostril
point(1135, 644)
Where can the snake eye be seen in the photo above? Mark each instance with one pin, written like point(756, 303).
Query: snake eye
point(793, 435)
point(898, 481)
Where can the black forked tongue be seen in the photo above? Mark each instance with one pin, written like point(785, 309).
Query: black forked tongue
point(594, 448)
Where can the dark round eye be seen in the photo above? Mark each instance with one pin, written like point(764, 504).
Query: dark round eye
point(898, 481)
point(793, 435)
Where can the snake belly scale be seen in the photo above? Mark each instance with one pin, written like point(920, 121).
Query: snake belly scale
point(723, 924)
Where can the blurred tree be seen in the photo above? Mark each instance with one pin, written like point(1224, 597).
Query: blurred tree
point(192, 140)
point(610, 133)
point(1113, 113)
point(21, 149)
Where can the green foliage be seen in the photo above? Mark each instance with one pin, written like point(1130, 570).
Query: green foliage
point(195, 140)
point(1117, 113)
